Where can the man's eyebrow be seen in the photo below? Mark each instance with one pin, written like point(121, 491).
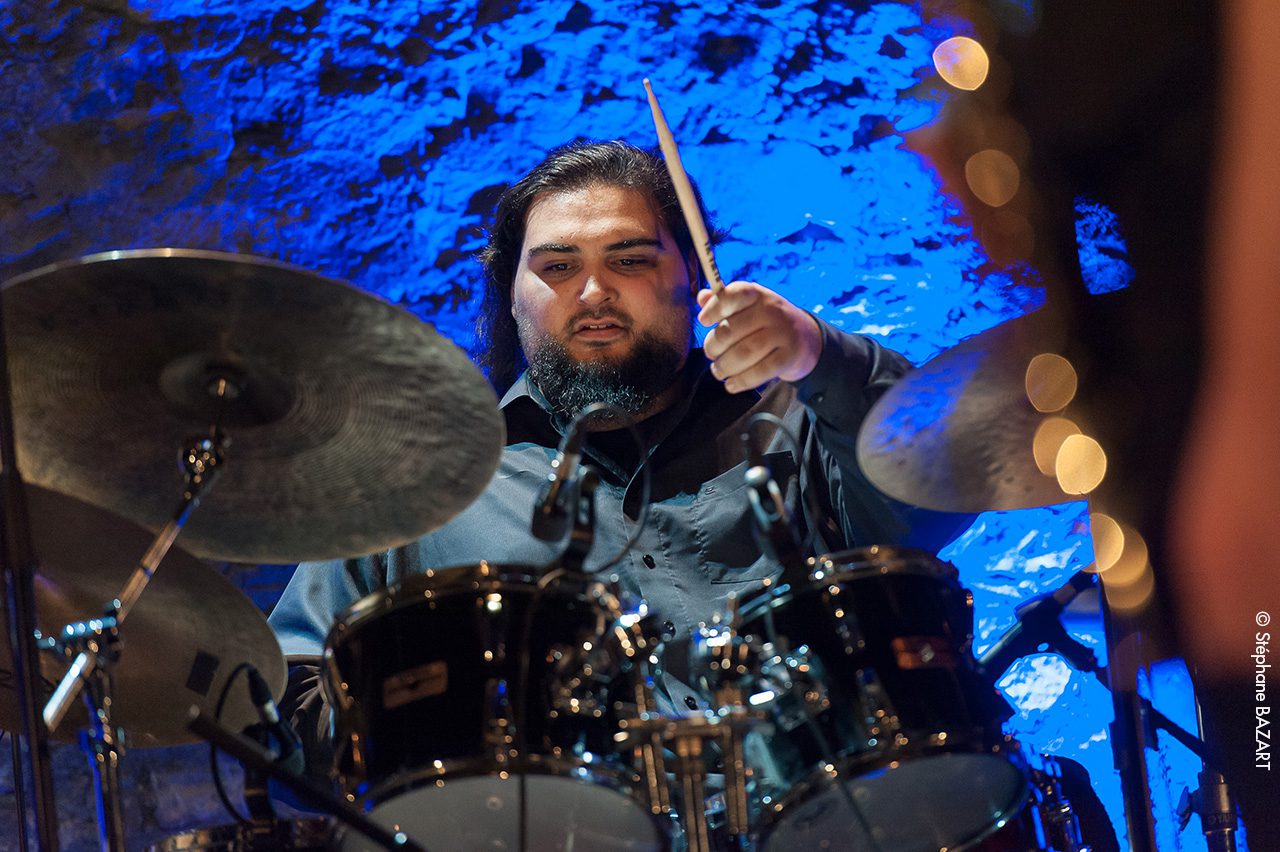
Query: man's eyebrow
point(634, 242)
point(621, 245)
point(552, 248)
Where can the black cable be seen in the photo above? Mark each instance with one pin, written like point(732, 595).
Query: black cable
point(213, 751)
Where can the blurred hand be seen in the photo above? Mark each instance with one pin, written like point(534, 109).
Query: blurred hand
point(758, 336)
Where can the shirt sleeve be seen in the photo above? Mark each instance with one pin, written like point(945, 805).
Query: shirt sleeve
point(316, 593)
point(301, 620)
point(852, 373)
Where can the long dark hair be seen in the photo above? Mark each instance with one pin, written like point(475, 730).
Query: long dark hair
point(569, 167)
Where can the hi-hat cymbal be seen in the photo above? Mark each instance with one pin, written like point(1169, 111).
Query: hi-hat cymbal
point(354, 426)
point(181, 642)
point(957, 434)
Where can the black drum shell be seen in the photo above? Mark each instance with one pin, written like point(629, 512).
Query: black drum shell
point(431, 672)
point(886, 634)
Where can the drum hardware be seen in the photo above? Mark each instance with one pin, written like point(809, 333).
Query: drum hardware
point(1058, 819)
point(686, 737)
point(1211, 801)
point(92, 646)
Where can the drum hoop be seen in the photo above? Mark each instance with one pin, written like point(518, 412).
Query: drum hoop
point(773, 816)
point(852, 565)
point(880, 559)
point(621, 780)
point(460, 580)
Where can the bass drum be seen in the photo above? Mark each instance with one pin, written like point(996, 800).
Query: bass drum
point(884, 735)
point(477, 708)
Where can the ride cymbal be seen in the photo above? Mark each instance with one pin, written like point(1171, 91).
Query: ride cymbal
point(354, 426)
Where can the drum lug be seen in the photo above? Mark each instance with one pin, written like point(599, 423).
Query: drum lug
point(878, 712)
point(800, 683)
point(579, 683)
point(844, 620)
point(499, 733)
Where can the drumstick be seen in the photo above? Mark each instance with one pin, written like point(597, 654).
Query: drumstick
point(684, 192)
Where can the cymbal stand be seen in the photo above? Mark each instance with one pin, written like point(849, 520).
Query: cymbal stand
point(18, 564)
point(93, 646)
point(1212, 802)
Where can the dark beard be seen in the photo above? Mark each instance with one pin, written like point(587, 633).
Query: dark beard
point(631, 384)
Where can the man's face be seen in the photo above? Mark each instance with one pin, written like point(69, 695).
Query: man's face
point(599, 278)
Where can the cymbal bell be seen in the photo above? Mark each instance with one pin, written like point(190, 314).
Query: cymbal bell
point(958, 433)
point(354, 426)
point(181, 643)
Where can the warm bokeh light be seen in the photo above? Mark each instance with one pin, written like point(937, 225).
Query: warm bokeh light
point(1108, 540)
point(1126, 564)
point(1007, 236)
point(1127, 597)
point(1081, 464)
point(993, 177)
point(1051, 382)
point(1050, 435)
point(1123, 563)
point(962, 62)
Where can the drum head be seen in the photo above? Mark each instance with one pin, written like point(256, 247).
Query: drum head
point(484, 813)
point(944, 801)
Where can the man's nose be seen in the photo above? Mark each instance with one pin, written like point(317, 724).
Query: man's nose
point(595, 291)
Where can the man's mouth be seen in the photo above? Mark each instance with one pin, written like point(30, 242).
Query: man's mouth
point(598, 329)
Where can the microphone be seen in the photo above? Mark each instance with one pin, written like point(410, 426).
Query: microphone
point(1038, 625)
point(289, 757)
point(774, 530)
point(551, 513)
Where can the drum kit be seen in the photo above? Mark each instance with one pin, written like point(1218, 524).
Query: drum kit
point(486, 706)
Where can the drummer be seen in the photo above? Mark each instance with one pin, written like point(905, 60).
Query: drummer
point(592, 289)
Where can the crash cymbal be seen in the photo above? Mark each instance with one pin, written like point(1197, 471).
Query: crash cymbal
point(354, 426)
point(188, 632)
point(958, 434)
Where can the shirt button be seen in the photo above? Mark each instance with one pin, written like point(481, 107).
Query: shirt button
point(817, 398)
point(691, 702)
point(649, 561)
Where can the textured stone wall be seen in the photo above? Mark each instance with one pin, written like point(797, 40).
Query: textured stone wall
point(366, 140)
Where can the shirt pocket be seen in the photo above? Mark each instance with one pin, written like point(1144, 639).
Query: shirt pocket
point(723, 529)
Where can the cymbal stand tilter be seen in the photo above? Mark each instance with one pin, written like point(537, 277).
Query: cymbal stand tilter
point(93, 644)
